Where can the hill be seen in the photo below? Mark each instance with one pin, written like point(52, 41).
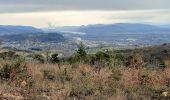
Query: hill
point(28, 33)
point(34, 37)
point(10, 29)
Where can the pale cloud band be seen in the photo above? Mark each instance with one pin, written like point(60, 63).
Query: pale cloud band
point(12, 6)
point(82, 12)
point(76, 18)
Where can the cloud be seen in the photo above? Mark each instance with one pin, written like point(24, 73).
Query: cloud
point(9, 6)
point(76, 18)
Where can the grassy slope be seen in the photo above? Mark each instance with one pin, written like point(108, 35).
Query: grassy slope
point(117, 80)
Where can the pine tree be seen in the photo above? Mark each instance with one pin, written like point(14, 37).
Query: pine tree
point(81, 53)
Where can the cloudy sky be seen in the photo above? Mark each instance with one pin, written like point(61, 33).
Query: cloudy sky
point(41, 13)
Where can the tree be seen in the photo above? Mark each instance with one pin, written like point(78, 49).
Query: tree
point(81, 53)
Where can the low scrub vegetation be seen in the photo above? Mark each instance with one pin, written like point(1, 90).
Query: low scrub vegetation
point(110, 75)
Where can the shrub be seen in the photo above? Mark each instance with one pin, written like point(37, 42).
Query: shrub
point(91, 59)
point(116, 74)
point(8, 69)
point(54, 58)
point(39, 58)
point(73, 60)
point(123, 59)
point(16, 71)
point(144, 79)
point(83, 86)
point(101, 56)
point(49, 75)
point(8, 55)
point(100, 60)
point(113, 83)
point(75, 65)
point(65, 75)
point(162, 65)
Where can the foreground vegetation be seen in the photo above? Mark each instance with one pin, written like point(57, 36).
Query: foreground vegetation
point(140, 74)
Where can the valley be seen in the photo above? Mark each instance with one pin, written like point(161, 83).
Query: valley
point(65, 39)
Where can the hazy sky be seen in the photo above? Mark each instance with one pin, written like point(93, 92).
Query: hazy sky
point(39, 13)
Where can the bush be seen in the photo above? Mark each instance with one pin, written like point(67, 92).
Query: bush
point(54, 58)
point(101, 59)
point(8, 55)
point(162, 65)
point(101, 56)
point(16, 71)
point(49, 75)
point(65, 75)
point(116, 74)
point(72, 60)
point(123, 59)
point(83, 86)
point(39, 58)
point(8, 69)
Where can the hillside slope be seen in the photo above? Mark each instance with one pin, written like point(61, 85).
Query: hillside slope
point(38, 37)
point(10, 29)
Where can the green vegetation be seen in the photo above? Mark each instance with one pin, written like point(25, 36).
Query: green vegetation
point(54, 58)
point(39, 58)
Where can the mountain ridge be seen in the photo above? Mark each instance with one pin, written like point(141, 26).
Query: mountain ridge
point(109, 28)
point(10, 33)
point(18, 29)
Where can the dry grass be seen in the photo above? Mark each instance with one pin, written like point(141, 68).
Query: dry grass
point(86, 82)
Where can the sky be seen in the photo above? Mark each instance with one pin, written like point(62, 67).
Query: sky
point(42, 13)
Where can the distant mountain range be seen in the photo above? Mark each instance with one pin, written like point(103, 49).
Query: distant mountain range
point(165, 26)
point(9, 29)
point(23, 33)
point(96, 29)
point(97, 32)
point(100, 29)
point(112, 32)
